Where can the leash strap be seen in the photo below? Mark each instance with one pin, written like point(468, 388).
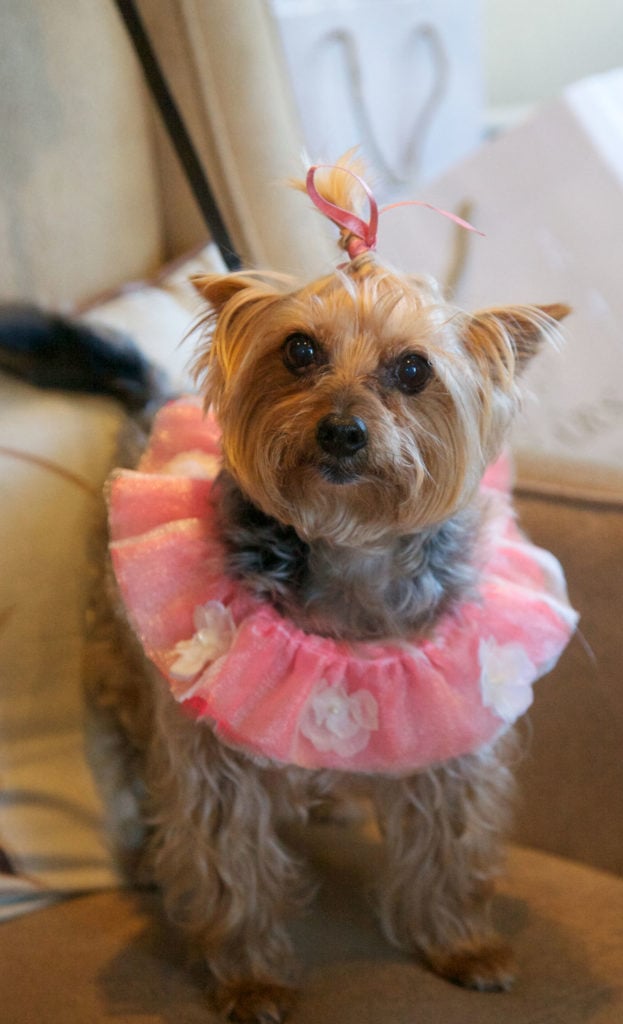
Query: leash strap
point(178, 133)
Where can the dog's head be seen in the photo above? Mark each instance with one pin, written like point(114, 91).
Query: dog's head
point(362, 404)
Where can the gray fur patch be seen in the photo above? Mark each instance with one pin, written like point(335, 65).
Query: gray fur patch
point(392, 590)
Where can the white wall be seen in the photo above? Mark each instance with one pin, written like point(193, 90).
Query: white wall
point(535, 47)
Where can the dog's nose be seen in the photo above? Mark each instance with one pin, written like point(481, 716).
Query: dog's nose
point(341, 435)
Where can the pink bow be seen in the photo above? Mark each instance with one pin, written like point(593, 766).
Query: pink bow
point(364, 232)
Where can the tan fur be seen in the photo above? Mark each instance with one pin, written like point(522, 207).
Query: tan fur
point(213, 814)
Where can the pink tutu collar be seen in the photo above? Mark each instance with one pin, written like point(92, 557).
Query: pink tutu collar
point(296, 698)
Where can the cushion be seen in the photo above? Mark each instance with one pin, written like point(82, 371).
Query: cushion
point(571, 796)
point(56, 450)
point(110, 956)
point(49, 808)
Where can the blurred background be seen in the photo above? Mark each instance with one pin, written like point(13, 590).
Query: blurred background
point(90, 190)
point(418, 83)
point(533, 49)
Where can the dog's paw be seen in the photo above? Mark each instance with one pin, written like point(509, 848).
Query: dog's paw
point(255, 1002)
point(486, 965)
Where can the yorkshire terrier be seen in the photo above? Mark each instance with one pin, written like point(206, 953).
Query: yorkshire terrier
point(358, 416)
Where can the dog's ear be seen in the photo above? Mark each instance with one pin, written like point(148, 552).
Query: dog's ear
point(510, 336)
point(218, 289)
point(237, 302)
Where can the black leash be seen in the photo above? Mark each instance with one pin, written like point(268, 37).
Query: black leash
point(178, 132)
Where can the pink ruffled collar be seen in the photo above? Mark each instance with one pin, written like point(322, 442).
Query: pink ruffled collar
point(276, 692)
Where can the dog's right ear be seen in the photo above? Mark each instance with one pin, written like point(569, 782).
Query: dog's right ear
point(218, 289)
point(236, 304)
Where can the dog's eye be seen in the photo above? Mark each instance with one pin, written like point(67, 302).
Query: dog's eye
point(300, 351)
point(412, 372)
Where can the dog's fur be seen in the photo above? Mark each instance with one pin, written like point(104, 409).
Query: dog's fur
point(371, 534)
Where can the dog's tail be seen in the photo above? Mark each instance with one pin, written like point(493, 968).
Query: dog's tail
point(52, 351)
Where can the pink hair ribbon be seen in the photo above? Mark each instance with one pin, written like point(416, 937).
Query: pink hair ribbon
point(364, 233)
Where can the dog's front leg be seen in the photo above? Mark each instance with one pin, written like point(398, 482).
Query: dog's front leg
point(441, 829)
point(225, 877)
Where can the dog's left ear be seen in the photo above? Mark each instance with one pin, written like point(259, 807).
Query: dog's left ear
point(515, 331)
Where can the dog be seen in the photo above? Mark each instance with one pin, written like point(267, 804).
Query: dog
point(353, 523)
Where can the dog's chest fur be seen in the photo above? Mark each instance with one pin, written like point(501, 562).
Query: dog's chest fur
point(394, 589)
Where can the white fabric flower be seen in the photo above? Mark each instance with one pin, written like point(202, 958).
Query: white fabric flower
point(507, 674)
point(194, 463)
point(214, 634)
point(335, 720)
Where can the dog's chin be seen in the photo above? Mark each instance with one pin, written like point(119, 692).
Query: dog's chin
point(338, 473)
point(341, 503)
